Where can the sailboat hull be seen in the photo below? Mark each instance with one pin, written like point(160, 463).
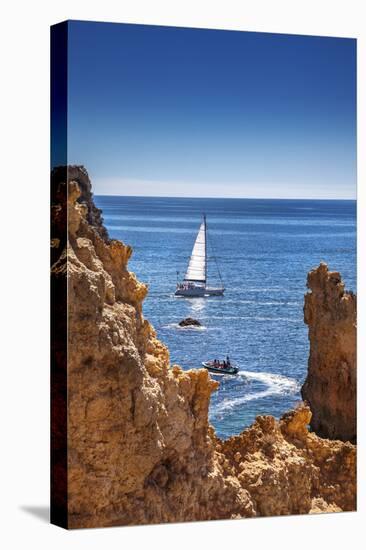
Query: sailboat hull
point(199, 292)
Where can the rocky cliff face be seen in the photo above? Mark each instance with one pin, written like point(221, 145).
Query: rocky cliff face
point(330, 386)
point(140, 448)
point(80, 175)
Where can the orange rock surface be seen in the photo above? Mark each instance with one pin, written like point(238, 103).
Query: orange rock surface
point(330, 386)
point(140, 447)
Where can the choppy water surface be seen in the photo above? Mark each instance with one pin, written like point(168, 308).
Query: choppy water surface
point(265, 249)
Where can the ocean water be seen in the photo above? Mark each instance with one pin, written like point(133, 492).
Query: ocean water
point(264, 249)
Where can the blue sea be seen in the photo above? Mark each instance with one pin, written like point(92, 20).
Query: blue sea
point(264, 249)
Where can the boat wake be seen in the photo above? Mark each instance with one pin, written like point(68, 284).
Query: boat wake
point(269, 385)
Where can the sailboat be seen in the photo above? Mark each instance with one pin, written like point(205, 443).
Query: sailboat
point(194, 284)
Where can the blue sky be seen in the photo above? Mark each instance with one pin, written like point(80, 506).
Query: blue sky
point(190, 112)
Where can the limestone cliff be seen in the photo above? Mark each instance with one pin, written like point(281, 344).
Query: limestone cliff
point(81, 177)
point(140, 447)
point(330, 386)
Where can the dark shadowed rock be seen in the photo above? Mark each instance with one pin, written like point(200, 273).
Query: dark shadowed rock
point(61, 175)
point(189, 322)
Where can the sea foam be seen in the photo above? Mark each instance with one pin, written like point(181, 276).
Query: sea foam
point(274, 384)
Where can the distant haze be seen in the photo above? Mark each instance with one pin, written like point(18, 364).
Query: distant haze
point(161, 111)
point(141, 188)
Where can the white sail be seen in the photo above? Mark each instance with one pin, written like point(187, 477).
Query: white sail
point(196, 270)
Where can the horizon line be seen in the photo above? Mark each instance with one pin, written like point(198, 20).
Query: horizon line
point(224, 198)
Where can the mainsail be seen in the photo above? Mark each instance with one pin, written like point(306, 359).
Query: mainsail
point(196, 270)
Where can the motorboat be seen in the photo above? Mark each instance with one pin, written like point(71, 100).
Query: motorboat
point(220, 367)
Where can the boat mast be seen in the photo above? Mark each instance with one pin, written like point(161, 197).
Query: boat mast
point(204, 221)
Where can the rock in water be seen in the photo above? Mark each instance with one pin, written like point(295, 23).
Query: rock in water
point(189, 322)
point(330, 386)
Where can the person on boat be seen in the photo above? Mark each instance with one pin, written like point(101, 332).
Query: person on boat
point(228, 361)
point(224, 364)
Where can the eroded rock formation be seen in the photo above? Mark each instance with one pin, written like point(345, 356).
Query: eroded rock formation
point(140, 447)
point(287, 470)
point(330, 386)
